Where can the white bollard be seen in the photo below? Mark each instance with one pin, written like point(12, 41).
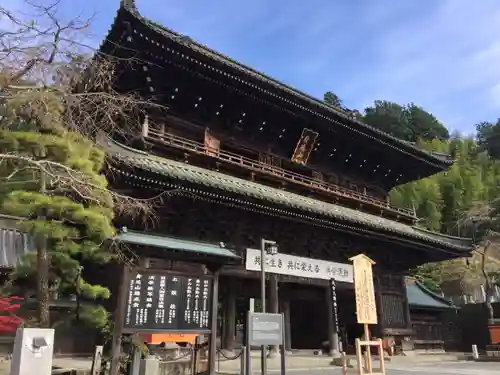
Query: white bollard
point(475, 353)
point(33, 352)
point(149, 366)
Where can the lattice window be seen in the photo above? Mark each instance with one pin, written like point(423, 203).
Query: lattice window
point(393, 311)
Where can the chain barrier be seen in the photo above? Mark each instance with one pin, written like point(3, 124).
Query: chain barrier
point(221, 353)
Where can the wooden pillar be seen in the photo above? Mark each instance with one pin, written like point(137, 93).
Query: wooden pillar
point(273, 305)
point(333, 335)
point(285, 309)
point(116, 344)
point(229, 326)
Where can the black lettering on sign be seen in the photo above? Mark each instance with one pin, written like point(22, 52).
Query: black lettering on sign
point(157, 301)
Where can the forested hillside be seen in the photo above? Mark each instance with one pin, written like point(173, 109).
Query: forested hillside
point(442, 200)
point(462, 201)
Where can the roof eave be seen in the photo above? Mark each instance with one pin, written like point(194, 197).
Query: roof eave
point(121, 153)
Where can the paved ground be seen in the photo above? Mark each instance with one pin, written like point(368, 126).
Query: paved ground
point(310, 365)
point(445, 368)
point(442, 368)
point(439, 365)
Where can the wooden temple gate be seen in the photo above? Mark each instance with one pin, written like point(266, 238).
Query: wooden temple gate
point(240, 157)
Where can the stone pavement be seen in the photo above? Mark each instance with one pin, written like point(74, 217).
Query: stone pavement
point(401, 366)
point(436, 364)
point(304, 363)
point(320, 365)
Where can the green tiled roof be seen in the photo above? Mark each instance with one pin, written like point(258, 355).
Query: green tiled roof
point(301, 97)
point(420, 296)
point(183, 172)
point(163, 242)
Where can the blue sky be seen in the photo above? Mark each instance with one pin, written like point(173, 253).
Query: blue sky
point(441, 54)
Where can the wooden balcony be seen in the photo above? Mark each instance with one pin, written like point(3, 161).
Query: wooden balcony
point(338, 192)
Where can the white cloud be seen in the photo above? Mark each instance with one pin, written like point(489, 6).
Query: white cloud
point(444, 59)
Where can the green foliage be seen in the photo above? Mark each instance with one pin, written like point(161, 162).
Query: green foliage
point(443, 199)
point(463, 201)
point(409, 122)
point(332, 99)
point(488, 137)
point(53, 180)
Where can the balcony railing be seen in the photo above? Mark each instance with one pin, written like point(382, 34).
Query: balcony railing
point(256, 166)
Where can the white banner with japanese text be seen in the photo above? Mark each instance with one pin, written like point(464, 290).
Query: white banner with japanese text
point(292, 265)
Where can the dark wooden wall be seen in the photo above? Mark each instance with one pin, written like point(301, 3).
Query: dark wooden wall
point(190, 218)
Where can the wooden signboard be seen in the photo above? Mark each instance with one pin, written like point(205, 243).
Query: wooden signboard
point(366, 310)
point(167, 303)
point(366, 307)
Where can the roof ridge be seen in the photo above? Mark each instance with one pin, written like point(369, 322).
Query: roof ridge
point(427, 156)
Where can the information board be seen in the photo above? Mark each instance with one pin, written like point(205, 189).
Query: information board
point(163, 302)
point(265, 328)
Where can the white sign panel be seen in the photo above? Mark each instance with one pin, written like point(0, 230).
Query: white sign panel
point(292, 265)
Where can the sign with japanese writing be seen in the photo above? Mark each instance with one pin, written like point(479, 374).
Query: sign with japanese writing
point(292, 265)
point(157, 301)
point(366, 307)
point(265, 329)
point(333, 289)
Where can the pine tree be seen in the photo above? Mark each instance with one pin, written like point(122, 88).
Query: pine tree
point(53, 100)
point(69, 222)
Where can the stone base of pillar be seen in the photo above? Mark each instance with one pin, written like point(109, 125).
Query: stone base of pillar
point(273, 353)
point(335, 353)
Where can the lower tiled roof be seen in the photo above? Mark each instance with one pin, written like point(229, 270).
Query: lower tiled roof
point(204, 177)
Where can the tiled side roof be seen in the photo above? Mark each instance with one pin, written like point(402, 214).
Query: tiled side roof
point(419, 296)
point(165, 242)
point(350, 122)
point(204, 177)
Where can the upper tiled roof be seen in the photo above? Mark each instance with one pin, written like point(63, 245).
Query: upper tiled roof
point(183, 172)
point(313, 103)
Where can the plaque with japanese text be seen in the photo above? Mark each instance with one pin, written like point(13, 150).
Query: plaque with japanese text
point(159, 301)
point(366, 307)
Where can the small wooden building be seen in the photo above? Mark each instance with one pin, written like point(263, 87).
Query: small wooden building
point(430, 318)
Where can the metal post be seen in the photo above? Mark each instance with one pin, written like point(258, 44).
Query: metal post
point(283, 345)
point(263, 357)
point(243, 361)
point(212, 349)
point(248, 349)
